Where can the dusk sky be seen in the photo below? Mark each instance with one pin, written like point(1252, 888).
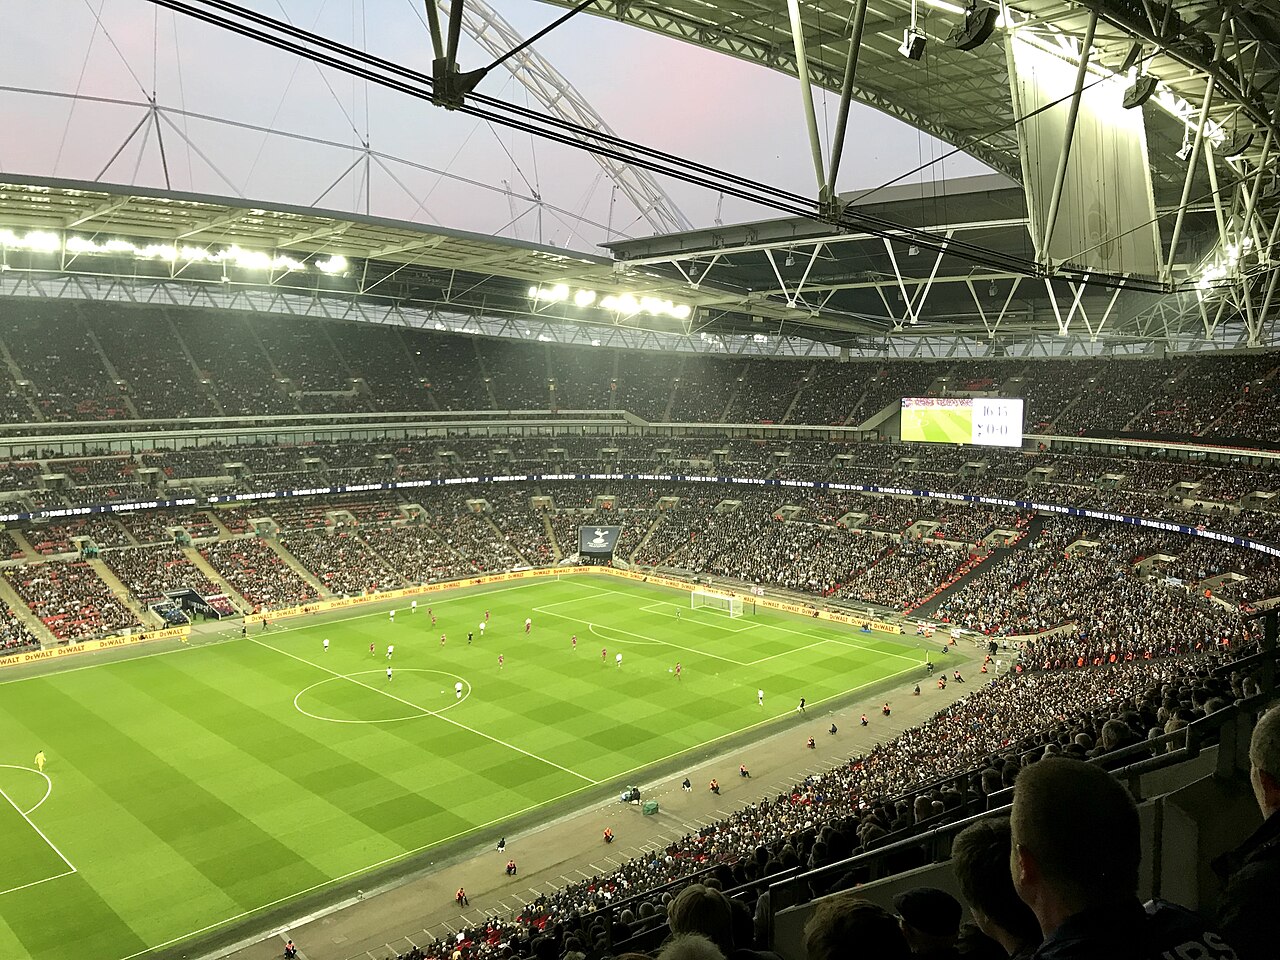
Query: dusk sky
point(663, 93)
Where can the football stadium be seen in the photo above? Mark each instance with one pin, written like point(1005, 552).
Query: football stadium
point(548, 480)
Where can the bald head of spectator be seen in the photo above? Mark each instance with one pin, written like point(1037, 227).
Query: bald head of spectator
point(980, 860)
point(1264, 762)
point(690, 946)
point(846, 927)
point(1075, 840)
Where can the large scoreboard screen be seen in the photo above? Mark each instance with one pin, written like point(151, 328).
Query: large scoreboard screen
point(985, 421)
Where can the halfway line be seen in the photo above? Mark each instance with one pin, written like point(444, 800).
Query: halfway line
point(433, 713)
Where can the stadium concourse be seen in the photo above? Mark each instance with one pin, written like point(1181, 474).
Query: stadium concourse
point(1129, 643)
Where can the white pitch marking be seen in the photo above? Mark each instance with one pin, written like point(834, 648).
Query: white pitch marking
point(71, 867)
point(48, 784)
point(434, 713)
point(652, 640)
point(36, 883)
point(359, 673)
point(496, 820)
point(233, 635)
point(650, 608)
point(846, 641)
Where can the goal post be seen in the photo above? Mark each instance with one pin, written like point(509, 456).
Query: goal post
point(709, 599)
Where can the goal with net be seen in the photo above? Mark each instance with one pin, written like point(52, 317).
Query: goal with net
point(707, 599)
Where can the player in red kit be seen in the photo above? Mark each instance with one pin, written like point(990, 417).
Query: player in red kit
point(373, 650)
point(678, 669)
point(574, 640)
point(442, 639)
point(604, 655)
point(500, 661)
point(486, 616)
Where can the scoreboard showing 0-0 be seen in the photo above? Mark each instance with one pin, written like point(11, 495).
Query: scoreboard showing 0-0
point(985, 421)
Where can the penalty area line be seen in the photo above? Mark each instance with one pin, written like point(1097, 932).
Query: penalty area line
point(71, 867)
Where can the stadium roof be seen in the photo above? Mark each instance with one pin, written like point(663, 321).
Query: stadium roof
point(788, 277)
point(963, 98)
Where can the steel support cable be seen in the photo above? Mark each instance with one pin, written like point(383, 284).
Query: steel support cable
point(796, 204)
point(412, 83)
point(192, 8)
point(616, 148)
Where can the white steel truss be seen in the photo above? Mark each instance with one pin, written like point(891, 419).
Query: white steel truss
point(488, 28)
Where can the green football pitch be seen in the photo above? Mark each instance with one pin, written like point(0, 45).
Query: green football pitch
point(938, 425)
point(188, 790)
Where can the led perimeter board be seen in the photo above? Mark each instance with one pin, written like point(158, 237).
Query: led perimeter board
point(985, 421)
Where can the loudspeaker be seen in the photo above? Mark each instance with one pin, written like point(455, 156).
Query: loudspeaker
point(1140, 92)
point(913, 43)
point(976, 29)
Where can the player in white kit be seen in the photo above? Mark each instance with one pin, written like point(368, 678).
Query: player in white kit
point(391, 648)
point(457, 690)
point(326, 644)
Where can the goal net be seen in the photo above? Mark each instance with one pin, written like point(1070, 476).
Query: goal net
point(699, 599)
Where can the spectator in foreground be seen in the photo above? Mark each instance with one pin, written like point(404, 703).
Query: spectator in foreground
point(1076, 850)
point(980, 860)
point(930, 920)
point(705, 911)
point(846, 927)
point(1252, 870)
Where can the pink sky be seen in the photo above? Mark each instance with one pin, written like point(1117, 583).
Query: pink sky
point(661, 92)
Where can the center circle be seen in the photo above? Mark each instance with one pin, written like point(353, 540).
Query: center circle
point(409, 712)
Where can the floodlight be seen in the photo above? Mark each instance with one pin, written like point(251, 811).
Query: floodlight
point(913, 251)
point(1139, 92)
point(913, 43)
point(1185, 150)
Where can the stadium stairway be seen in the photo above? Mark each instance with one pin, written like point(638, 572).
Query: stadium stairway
point(502, 537)
point(556, 549)
point(16, 374)
point(206, 568)
point(110, 368)
point(205, 384)
point(22, 612)
point(647, 534)
point(996, 557)
point(853, 409)
point(122, 593)
point(810, 377)
point(274, 546)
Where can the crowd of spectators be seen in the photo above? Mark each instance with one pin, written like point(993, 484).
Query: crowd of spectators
point(70, 599)
point(150, 573)
point(257, 573)
point(15, 636)
point(264, 365)
point(342, 562)
point(940, 771)
point(1178, 490)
